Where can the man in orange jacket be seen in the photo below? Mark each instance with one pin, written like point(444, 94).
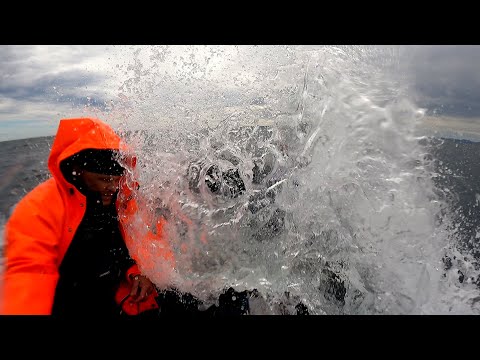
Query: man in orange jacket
point(68, 240)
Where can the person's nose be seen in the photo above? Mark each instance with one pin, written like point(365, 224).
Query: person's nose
point(112, 185)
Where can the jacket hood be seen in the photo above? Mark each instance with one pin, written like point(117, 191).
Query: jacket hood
point(77, 134)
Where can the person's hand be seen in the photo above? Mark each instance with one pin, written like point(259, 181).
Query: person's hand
point(142, 287)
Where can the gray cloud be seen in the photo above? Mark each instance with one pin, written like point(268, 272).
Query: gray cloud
point(49, 74)
point(49, 85)
point(446, 78)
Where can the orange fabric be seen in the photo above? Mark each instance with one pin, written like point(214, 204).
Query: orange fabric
point(40, 229)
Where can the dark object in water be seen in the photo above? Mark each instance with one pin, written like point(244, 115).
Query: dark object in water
point(301, 309)
point(228, 183)
point(260, 199)
point(213, 179)
point(334, 286)
point(447, 261)
point(230, 303)
point(272, 227)
point(234, 184)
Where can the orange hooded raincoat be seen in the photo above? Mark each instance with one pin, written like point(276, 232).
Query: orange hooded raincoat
point(43, 224)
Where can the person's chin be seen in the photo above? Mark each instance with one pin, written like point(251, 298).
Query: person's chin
point(107, 200)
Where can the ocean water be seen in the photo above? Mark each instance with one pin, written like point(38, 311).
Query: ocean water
point(299, 172)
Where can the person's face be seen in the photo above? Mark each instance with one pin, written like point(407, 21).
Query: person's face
point(105, 185)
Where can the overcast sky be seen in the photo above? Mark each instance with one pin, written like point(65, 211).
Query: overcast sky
point(41, 84)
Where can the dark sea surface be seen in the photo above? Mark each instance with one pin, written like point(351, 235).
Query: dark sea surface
point(457, 163)
point(23, 165)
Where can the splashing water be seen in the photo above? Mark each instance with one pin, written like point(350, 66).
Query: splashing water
point(297, 171)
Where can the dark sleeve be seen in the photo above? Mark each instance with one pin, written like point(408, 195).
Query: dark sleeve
point(126, 262)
